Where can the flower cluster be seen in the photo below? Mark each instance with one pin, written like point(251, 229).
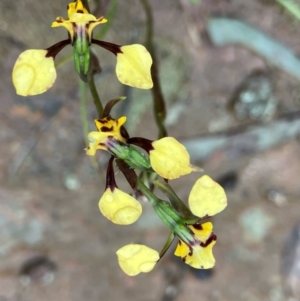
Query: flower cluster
point(169, 159)
point(34, 71)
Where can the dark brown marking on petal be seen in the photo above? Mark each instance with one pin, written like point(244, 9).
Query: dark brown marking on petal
point(56, 48)
point(107, 129)
point(68, 6)
point(124, 132)
point(59, 20)
point(191, 251)
point(144, 143)
point(201, 267)
point(213, 237)
point(110, 175)
point(184, 258)
point(115, 49)
point(102, 121)
point(79, 11)
point(179, 242)
point(198, 227)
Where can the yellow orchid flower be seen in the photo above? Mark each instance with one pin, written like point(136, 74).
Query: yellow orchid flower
point(34, 71)
point(198, 254)
point(195, 241)
point(107, 128)
point(135, 259)
point(206, 198)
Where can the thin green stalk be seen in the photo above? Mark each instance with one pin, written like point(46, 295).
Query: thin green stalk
point(158, 98)
point(83, 110)
point(96, 97)
point(174, 199)
point(84, 120)
point(93, 89)
point(292, 6)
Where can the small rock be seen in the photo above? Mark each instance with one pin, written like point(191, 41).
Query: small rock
point(72, 182)
point(254, 98)
point(256, 224)
point(37, 269)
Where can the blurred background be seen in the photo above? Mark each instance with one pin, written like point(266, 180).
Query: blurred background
point(230, 75)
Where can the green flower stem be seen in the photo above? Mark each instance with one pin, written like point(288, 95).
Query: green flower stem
point(166, 213)
point(96, 97)
point(174, 199)
point(170, 217)
point(84, 119)
point(83, 110)
point(158, 98)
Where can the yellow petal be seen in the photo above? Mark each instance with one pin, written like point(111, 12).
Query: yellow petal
point(95, 141)
point(119, 207)
point(33, 73)
point(76, 7)
point(133, 66)
point(207, 197)
point(199, 255)
point(202, 232)
point(82, 18)
point(82, 22)
point(92, 25)
point(170, 159)
point(134, 259)
point(111, 127)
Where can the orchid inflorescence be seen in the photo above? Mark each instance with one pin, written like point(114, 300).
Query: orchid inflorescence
point(166, 158)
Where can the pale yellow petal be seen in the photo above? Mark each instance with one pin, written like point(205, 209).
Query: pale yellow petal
point(202, 258)
point(134, 259)
point(119, 207)
point(76, 7)
point(33, 73)
point(207, 197)
point(133, 66)
point(82, 18)
point(170, 159)
point(96, 139)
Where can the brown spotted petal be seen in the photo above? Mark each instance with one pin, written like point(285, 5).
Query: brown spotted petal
point(198, 254)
